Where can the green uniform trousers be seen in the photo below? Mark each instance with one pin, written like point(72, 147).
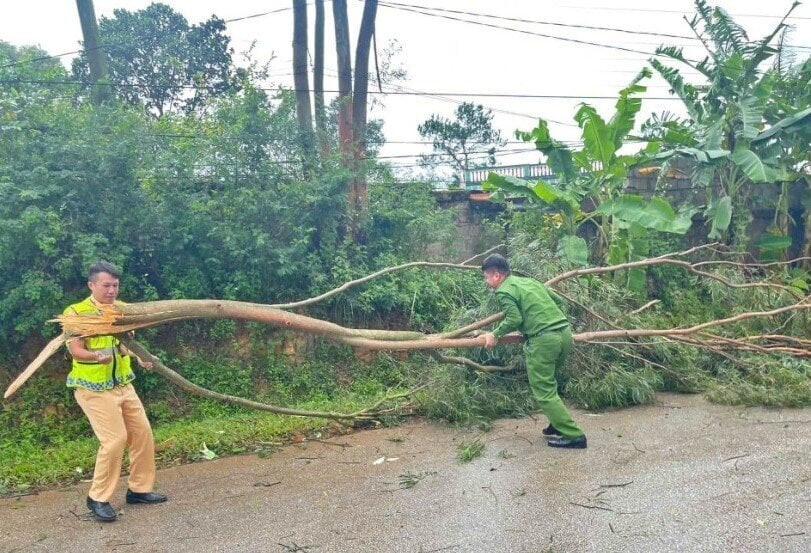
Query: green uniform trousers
point(544, 355)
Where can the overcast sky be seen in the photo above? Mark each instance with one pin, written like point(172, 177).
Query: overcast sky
point(446, 55)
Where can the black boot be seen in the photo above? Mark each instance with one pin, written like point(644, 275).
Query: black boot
point(101, 510)
point(144, 497)
point(551, 432)
point(570, 443)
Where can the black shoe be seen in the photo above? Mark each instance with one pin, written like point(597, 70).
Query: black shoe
point(570, 443)
point(551, 432)
point(101, 510)
point(145, 497)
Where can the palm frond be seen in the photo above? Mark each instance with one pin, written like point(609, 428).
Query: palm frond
point(627, 107)
point(687, 92)
point(732, 35)
point(676, 53)
point(763, 50)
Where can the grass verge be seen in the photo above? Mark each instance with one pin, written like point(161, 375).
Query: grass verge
point(26, 465)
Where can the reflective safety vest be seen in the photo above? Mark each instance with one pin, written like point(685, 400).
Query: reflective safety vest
point(92, 374)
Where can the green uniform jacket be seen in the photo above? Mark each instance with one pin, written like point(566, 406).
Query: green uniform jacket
point(529, 307)
point(92, 374)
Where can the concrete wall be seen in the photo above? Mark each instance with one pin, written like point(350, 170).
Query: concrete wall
point(474, 211)
point(474, 216)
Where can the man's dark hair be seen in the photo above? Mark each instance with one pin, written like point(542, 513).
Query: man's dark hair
point(102, 267)
point(497, 262)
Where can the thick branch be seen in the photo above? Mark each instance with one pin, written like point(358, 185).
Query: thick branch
point(132, 316)
point(472, 326)
point(114, 320)
point(192, 388)
point(50, 348)
point(427, 343)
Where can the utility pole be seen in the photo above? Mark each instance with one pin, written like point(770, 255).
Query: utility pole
point(92, 49)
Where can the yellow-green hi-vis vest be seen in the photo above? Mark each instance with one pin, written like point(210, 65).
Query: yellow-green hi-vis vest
point(92, 374)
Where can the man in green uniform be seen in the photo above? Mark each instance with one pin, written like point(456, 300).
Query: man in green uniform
point(530, 307)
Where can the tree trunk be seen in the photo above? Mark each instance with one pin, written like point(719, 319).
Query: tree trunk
point(344, 95)
point(300, 79)
point(318, 81)
point(806, 250)
point(92, 49)
point(344, 75)
point(367, 29)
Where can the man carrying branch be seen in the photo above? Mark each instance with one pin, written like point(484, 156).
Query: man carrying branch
point(102, 378)
point(530, 307)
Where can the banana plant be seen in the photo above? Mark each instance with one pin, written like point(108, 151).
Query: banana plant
point(593, 178)
point(734, 134)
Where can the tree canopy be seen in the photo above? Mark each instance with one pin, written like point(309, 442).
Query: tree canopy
point(159, 61)
point(465, 142)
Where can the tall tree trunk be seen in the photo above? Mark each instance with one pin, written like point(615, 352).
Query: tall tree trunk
point(92, 49)
point(318, 81)
point(300, 78)
point(344, 77)
point(345, 138)
point(806, 249)
point(367, 29)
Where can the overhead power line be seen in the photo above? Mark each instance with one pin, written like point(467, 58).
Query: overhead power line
point(108, 45)
point(370, 91)
point(516, 30)
point(656, 10)
point(537, 22)
point(334, 73)
point(434, 13)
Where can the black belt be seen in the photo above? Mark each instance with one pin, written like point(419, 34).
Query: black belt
point(545, 331)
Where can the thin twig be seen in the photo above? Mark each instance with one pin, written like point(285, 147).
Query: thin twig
point(617, 485)
point(591, 506)
point(667, 261)
point(454, 360)
point(468, 264)
point(752, 265)
point(639, 310)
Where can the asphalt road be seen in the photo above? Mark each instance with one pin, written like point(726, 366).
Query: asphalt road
point(680, 475)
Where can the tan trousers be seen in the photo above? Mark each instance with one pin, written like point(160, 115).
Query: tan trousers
point(118, 419)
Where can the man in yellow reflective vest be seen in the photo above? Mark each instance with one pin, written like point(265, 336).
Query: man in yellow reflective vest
point(102, 378)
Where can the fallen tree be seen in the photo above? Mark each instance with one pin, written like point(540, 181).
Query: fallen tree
point(120, 320)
